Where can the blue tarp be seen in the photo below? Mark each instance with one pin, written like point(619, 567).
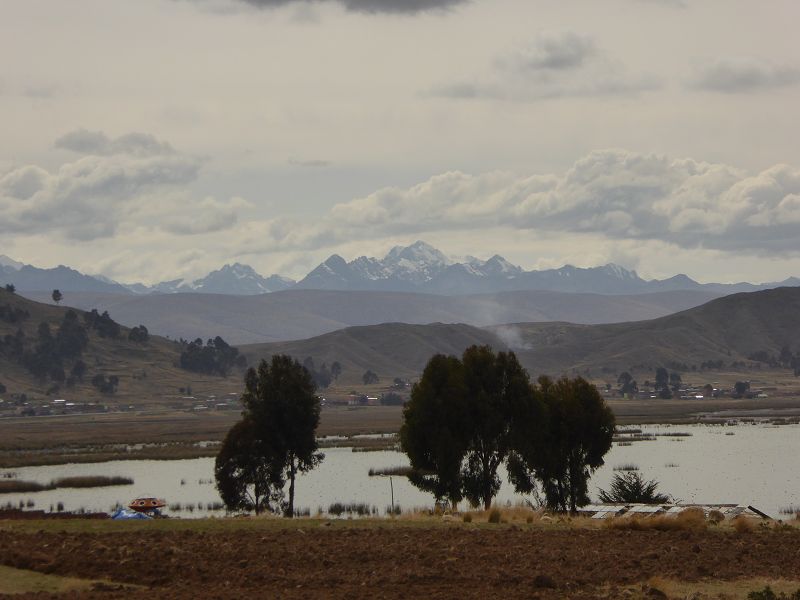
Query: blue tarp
point(126, 514)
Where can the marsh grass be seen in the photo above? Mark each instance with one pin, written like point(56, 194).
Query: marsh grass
point(626, 467)
point(90, 481)
point(691, 519)
point(398, 471)
point(360, 509)
point(17, 486)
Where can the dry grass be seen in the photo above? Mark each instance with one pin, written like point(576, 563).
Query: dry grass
point(691, 519)
point(743, 525)
point(21, 581)
point(727, 590)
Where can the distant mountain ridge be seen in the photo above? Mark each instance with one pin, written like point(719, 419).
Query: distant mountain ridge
point(418, 268)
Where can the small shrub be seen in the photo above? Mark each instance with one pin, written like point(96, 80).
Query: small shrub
point(529, 520)
point(743, 525)
point(768, 594)
point(494, 516)
point(715, 517)
point(467, 518)
point(60, 507)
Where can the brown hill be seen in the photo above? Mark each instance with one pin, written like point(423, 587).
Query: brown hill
point(729, 329)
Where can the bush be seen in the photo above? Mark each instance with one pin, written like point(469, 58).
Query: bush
point(631, 487)
point(743, 524)
point(467, 518)
point(494, 515)
point(768, 594)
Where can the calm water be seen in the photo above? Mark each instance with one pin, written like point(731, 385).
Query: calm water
point(755, 465)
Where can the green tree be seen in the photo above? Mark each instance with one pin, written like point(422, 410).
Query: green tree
point(631, 487)
point(675, 381)
point(627, 384)
point(433, 430)
point(577, 435)
point(662, 379)
point(280, 399)
point(740, 388)
point(246, 478)
point(11, 288)
point(57, 296)
point(369, 378)
point(336, 370)
point(496, 384)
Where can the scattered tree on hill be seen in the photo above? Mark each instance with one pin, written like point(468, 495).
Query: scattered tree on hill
point(369, 378)
point(675, 381)
point(392, 399)
point(280, 401)
point(740, 388)
point(627, 384)
point(662, 379)
point(11, 314)
point(215, 358)
point(336, 370)
point(578, 430)
point(103, 324)
point(105, 385)
point(72, 338)
point(57, 296)
point(631, 487)
point(786, 356)
point(322, 377)
point(78, 370)
point(247, 479)
point(139, 334)
point(10, 288)
point(2, 389)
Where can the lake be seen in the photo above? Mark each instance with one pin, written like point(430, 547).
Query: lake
point(741, 463)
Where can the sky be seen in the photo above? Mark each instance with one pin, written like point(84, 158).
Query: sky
point(158, 139)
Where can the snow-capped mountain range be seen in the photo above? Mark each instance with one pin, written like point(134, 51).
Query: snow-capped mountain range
point(415, 268)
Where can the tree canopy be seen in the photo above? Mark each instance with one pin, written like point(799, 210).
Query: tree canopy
point(631, 487)
point(281, 412)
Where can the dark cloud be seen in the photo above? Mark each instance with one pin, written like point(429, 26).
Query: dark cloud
point(407, 7)
point(744, 75)
point(98, 143)
point(562, 65)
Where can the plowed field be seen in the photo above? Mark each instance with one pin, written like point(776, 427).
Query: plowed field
point(309, 559)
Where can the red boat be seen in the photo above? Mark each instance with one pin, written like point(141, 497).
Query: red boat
point(147, 504)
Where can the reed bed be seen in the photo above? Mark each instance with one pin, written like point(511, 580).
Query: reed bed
point(626, 467)
point(398, 471)
point(19, 486)
point(91, 481)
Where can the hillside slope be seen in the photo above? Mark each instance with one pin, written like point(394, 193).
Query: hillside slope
point(147, 371)
point(300, 314)
point(728, 329)
point(391, 350)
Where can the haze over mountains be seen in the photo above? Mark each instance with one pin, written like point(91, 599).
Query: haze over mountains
point(727, 329)
point(298, 314)
point(415, 268)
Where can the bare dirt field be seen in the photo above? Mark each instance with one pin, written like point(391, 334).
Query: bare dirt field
point(319, 559)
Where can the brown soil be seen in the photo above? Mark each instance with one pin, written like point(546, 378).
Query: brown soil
point(312, 560)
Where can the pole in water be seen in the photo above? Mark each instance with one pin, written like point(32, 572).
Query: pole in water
point(391, 486)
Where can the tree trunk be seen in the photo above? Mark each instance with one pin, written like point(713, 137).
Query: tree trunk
point(290, 509)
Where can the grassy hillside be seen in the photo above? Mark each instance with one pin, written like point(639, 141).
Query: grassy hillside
point(300, 314)
point(147, 372)
point(727, 329)
point(390, 350)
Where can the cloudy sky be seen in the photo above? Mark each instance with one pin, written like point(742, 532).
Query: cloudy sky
point(155, 139)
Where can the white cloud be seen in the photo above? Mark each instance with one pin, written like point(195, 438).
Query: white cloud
point(128, 182)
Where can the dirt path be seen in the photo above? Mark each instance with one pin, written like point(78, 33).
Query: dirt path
point(313, 560)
